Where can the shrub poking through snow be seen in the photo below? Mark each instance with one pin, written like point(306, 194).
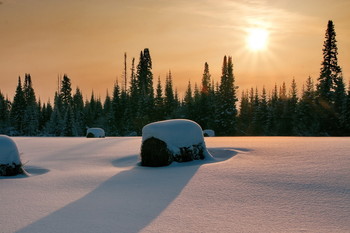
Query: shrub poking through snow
point(155, 153)
point(95, 133)
point(177, 140)
point(10, 163)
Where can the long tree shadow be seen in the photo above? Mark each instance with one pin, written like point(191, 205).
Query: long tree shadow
point(127, 202)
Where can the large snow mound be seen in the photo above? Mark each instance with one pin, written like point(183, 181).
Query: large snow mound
point(177, 140)
point(8, 151)
point(178, 132)
point(10, 163)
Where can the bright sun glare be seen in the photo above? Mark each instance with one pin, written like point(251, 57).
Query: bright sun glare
point(257, 39)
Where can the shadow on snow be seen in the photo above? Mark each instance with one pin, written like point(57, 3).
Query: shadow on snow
point(128, 201)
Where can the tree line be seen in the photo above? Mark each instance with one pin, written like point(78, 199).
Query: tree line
point(323, 108)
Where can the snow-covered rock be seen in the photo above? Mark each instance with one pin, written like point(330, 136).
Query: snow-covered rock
point(177, 140)
point(209, 133)
point(10, 162)
point(95, 133)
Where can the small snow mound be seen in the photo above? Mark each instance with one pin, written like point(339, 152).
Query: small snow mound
point(95, 133)
point(10, 163)
point(177, 140)
point(209, 133)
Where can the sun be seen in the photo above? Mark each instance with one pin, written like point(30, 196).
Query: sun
point(257, 39)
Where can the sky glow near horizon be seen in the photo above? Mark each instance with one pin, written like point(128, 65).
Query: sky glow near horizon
point(87, 40)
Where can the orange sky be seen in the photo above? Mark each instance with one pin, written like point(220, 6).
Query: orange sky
point(87, 40)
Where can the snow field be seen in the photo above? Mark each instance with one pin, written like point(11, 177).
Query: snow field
point(256, 184)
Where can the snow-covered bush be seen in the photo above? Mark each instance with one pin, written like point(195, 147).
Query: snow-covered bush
point(177, 140)
point(209, 133)
point(95, 133)
point(10, 162)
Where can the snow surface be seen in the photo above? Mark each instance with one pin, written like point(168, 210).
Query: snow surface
point(255, 184)
point(8, 151)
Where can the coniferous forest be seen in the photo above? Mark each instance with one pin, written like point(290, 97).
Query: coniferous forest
point(320, 107)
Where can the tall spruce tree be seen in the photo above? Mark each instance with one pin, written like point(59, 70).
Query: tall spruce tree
point(159, 102)
point(4, 114)
point(227, 100)
point(188, 102)
point(78, 112)
point(66, 92)
point(31, 113)
point(205, 110)
point(116, 110)
point(55, 125)
point(145, 112)
point(307, 123)
point(244, 114)
point(18, 110)
point(169, 98)
point(330, 70)
point(345, 117)
point(69, 126)
point(330, 87)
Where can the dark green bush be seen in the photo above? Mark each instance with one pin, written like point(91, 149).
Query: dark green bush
point(155, 153)
point(11, 169)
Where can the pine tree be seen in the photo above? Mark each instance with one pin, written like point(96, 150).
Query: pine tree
point(47, 111)
point(206, 86)
point(125, 74)
point(261, 115)
point(330, 88)
point(4, 114)
point(69, 127)
point(330, 71)
point(282, 111)
point(145, 111)
point(159, 102)
point(18, 110)
point(227, 100)
point(244, 114)
point(124, 111)
point(116, 110)
point(205, 104)
point(134, 96)
point(78, 112)
point(345, 117)
point(31, 114)
point(144, 74)
point(66, 92)
point(273, 114)
point(188, 102)
point(307, 123)
point(169, 99)
point(55, 125)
